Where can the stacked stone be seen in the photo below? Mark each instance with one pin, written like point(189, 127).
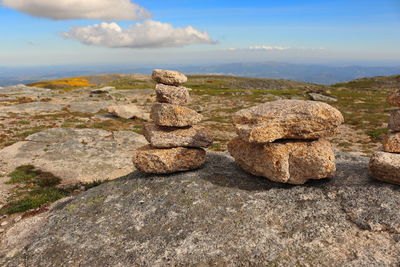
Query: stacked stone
point(176, 141)
point(385, 166)
point(284, 140)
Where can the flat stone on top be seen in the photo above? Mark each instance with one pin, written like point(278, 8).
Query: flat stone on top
point(168, 77)
point(287, 119)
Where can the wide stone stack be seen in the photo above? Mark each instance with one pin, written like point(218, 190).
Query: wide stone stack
point(385, 166)
point(284, 140)
point(176, 141)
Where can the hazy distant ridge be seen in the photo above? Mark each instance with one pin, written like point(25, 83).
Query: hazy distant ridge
point(320, 74)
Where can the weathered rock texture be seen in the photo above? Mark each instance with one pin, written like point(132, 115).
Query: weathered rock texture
point(177, 95)
point(75, 155)
point(164, 161)
point(385, 167)
point(322, 98)
point(169, 77)
point(32, 108)
point(168, 137)
point(128, 112)
point(222, 216)
point(175, 140)
point(394, 98)
point(285, 162)
point(391, 143)
point(174, 115)
point(394, 121)
point(287, 119)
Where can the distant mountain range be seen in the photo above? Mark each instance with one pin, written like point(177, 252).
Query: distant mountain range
point(320, 74)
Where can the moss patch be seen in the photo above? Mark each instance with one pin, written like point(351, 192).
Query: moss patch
point(35, 188)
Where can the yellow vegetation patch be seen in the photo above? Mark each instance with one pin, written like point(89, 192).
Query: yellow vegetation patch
point(63, 83)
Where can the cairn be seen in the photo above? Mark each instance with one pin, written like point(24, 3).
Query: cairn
point(176, 141)
point(284, 140)
point(385, 165)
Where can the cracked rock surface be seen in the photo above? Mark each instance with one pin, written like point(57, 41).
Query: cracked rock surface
point(220, 215)
point(75, 155)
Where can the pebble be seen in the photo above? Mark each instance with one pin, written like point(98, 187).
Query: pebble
point(17, 219)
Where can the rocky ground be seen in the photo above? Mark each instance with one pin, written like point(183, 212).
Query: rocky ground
point(69, 134)
point(218, 215)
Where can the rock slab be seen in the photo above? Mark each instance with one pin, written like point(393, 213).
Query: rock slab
point(168, 77)
point(75, 155)
point(322, 98)
point(287, 119)
point(164, 161)
point(385, 167)
point(174, 115)
point(221, 216)
point(167, 137)
point(285, 162)
point(128, 112)
point(177, 95)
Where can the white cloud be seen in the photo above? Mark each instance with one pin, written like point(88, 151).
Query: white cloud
point(274, 48)
point(149, 34)
point(268, 48)
point(80, 9)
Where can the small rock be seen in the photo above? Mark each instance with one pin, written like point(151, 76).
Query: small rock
point(168, 137)
point(287, 119)
point(17, 219)
point(385, 167)
point(174, 116)
point(391, 143)
point(177, 95)
point(168, 77)
point(4, 223)
point(163, 161)
point(394, 121)
point(1, 230)
point(322, 98)
point(128, 112)
point(285, 162)
point(394, 98)
point(104, 90)
point(198, 108)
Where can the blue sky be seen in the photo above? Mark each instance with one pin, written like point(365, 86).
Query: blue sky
point(302, 31)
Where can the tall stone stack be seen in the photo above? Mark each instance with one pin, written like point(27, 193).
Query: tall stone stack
point(176, 141)
point(284, 140)
point(385, 166)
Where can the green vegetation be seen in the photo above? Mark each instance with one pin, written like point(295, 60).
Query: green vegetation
point(32, 131)
point(129, 83)
point(23, 122)
point(36, 188)
point(380, 82)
